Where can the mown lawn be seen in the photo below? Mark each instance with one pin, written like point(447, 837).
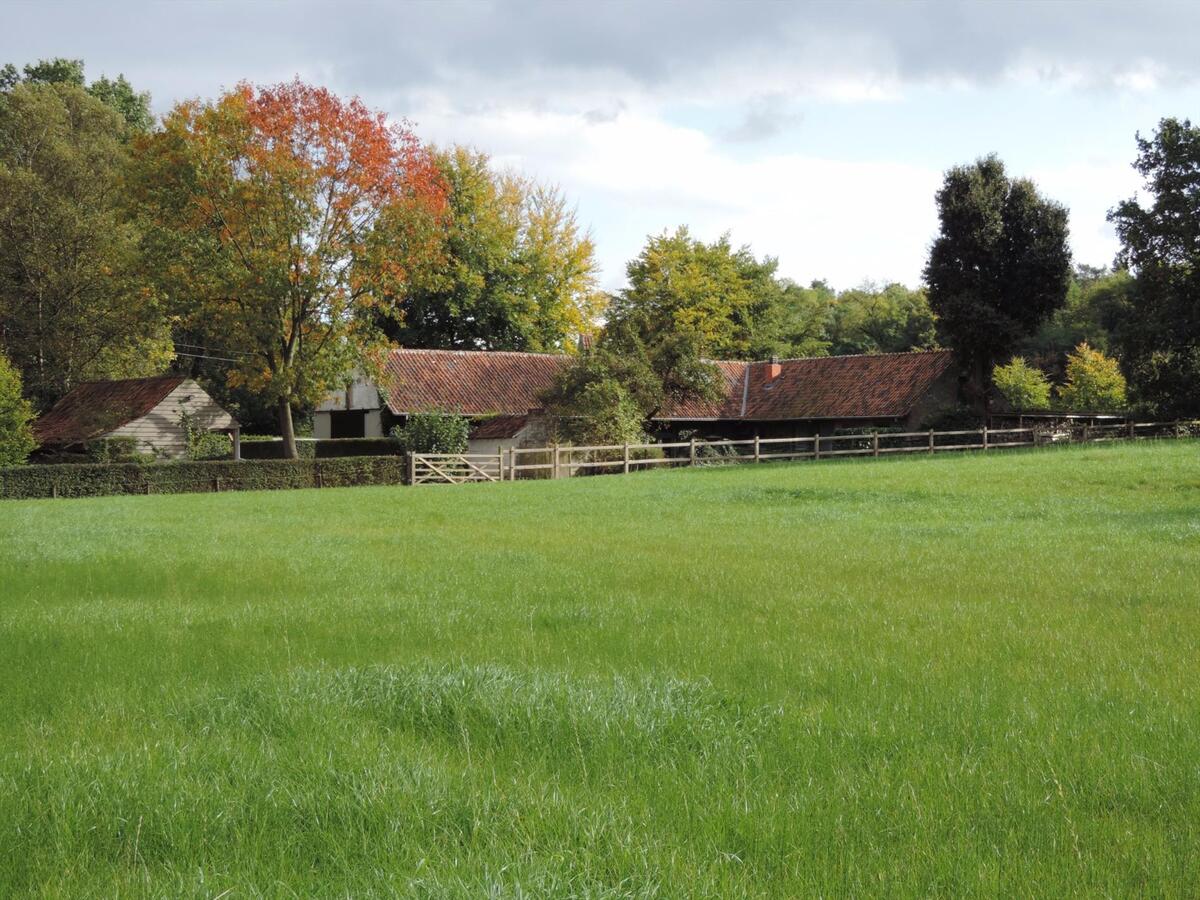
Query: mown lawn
point(954, 676)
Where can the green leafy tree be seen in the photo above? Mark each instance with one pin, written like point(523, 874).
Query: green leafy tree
point(605, 396)
point(1158, 336)
point(118, 93)
point(999, 266)
point(1097, 300)
point(434, 432)
point(891, 319)
point(799, 321)
point(723, 300)
point(1022, 385)
point(16, 418)
point(73, 304)
point(1094, 382)
point(513, 268)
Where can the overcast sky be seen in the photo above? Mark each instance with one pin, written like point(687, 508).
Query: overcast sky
point(813, 132)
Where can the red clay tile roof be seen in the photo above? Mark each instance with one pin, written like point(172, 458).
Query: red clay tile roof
point(472, 382)
point(95, 408)
point(498, 428)
point(880, 386)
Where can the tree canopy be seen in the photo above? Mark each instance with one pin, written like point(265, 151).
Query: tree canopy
point(513, 269)
point(16, 417)
point(118, 93)
point(268, 215)
point(73, 303)
point(1159, 334)
point(999, 266)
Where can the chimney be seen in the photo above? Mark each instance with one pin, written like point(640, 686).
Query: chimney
point(585, 342)
point(773, 368)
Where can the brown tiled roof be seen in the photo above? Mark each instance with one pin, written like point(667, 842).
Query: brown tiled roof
point(880, 386)
point(95, 408)
point(472, 382)
point(497, 428)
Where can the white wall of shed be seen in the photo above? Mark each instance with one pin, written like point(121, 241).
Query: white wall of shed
point(161, 432)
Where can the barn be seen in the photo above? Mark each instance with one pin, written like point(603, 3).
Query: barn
point(500, 392)
point(151, 411)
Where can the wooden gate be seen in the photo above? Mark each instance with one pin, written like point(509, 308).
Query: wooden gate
point(454, 468)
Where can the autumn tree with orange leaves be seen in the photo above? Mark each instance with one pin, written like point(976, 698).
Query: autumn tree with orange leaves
point(271, 218)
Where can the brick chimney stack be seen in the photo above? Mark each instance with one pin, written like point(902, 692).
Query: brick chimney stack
point(774, 367)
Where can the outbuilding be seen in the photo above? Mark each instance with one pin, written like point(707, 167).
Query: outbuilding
point(154, 412)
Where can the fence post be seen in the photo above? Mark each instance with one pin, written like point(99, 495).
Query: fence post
point(1131, 427)
point(692, 452)
point(757, 454)
point(930, 440)
point(499, 463)
point(512, 463)
point(556, 463)
point(412, 467)
point(985, 437)
point(874, 443)
point(817, 445)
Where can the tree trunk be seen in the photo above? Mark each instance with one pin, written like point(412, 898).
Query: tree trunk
point(286, 431)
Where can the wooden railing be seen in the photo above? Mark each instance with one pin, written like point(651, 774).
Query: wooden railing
point(566, 461)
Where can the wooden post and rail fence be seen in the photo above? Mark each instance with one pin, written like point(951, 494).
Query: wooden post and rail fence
point(566, 461)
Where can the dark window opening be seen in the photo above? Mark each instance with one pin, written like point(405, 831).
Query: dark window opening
point(350, 423)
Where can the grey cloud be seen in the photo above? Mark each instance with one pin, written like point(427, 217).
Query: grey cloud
point(763, 119)
point(532, 49)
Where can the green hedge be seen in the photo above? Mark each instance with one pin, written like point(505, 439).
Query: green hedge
point(99, 479)
point(329, 448)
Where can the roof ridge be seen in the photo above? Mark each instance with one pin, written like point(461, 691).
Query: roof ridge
point(478, 352)
point(128, 380)
point(927, 352)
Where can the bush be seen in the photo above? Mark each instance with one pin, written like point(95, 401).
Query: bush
point(1022, 385)
point(1094, 382)
point(434, 432)
point(326, 448)
point(954, 417)
point(115, 450)
point(16, 418)
point(95, 480)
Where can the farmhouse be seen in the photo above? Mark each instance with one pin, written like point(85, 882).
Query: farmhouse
point(775, 398)
point(151, 411)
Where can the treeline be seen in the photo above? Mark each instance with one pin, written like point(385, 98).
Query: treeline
point(272, 239)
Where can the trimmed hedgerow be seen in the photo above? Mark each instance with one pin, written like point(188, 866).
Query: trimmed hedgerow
point(326, 448)
point(97, 480)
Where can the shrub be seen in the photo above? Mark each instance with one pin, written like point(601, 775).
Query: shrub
point(1094, 382)
point(1022, 385)
point(16, 418)
point(204, 444)
point(95, 480)
point(953, 417)
point(434, 432)
point(115, 450)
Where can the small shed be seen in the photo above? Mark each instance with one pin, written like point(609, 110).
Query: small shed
point(149, 410)
point(497, 434)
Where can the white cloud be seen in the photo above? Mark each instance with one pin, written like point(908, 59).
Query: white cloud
point(846, 221)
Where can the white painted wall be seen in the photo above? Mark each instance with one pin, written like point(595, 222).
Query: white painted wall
point(161, 432)
point(360, 394)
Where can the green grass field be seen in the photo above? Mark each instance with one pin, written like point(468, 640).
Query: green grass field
point(954, 676)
